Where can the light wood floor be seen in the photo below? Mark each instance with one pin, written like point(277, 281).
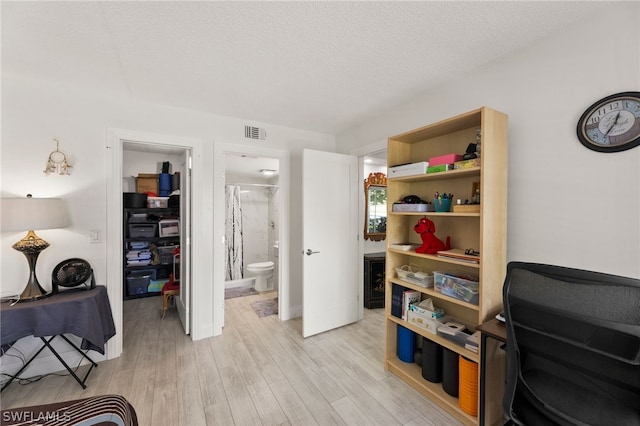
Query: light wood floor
point(259, 372)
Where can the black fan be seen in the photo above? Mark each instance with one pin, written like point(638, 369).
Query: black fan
point(72, 273)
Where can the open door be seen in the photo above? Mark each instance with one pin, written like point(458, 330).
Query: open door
point(183, 301)
point(330, 241)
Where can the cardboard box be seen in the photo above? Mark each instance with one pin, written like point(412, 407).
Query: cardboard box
point(466, 164)
point(426, 322)
point(444, 159)
point(147, 182)
point(439, 168)
point(408, 169)
point(438, 313)
point(466, 208)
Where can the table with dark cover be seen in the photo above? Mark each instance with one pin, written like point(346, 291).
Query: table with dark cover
point(84, 313)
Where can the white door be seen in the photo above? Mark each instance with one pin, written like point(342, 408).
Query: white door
point(330, 241)
point(183, 301)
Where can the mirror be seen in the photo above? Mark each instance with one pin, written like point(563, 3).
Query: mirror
point(375, 210)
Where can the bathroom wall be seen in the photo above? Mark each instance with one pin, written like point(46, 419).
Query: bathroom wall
point(255, 224)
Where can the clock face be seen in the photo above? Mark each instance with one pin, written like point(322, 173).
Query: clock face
point(611, 124)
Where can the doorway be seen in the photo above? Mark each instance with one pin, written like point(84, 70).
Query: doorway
point(242, 155)
point(140, 158)
point(197, 312)
point(252, 222)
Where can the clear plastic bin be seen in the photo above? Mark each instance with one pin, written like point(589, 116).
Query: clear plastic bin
point(459, 287)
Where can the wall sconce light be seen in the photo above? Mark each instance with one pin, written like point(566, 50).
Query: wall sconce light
point(267, 172)
point(57, 162)
point(19, 214)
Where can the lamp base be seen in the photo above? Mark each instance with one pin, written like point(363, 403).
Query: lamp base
point(32, 292)
point(31, 246)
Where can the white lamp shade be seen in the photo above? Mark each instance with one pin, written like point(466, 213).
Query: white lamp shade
point(32, 214)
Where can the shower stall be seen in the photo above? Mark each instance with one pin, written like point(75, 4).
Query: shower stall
point(251, 230)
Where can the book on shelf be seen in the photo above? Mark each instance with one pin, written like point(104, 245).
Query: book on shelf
point(396, 300)
point(459, 255)
point(409, 297)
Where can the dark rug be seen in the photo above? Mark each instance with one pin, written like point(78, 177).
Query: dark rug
point(232, 293)
point(266, 307)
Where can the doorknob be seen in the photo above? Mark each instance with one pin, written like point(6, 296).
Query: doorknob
point(310, 252)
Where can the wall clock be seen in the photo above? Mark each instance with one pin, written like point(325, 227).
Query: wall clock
point(612, 124)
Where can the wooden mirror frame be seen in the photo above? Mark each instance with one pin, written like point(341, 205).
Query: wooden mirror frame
point(375, 180)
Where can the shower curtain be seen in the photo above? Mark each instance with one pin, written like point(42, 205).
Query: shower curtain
point(233, 234)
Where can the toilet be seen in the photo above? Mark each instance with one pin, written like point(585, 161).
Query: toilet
point(262, 271)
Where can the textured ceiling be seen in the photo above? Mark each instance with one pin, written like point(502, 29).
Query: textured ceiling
point(322, 66)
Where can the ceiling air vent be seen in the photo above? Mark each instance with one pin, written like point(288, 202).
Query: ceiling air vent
point(255, 132)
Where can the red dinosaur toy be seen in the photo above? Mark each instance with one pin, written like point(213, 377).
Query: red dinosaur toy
point(430, 243)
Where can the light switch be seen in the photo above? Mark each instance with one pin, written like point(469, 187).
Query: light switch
point(94, 236)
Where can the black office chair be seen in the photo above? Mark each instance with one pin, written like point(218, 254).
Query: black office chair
point(573, 347)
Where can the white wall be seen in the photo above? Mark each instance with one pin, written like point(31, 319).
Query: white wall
point(34, 112)
point(568, 205)
point(134, 163)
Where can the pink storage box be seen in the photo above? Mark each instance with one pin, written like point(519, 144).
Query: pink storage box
point(444, 159)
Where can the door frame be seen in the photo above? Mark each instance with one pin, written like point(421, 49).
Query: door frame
point(183, 300)
point(361, 152)
point(201, 315)
point(284, 308)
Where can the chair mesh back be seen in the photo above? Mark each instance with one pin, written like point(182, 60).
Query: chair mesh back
point(573, 346)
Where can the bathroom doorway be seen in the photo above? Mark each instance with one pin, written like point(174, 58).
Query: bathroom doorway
point(252, 223)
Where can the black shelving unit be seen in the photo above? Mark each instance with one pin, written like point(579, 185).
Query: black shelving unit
point(161, 270)
point(374, 271)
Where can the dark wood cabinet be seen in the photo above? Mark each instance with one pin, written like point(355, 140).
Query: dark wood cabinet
point(374, 268)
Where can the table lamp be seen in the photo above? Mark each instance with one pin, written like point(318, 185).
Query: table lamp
point(19, 214)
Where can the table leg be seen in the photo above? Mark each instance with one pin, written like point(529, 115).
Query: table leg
point(24, 367)
point(483, 367)
point(81, 382)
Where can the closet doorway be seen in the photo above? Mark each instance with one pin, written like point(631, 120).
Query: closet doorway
point(138, 158)
point(121, 143)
